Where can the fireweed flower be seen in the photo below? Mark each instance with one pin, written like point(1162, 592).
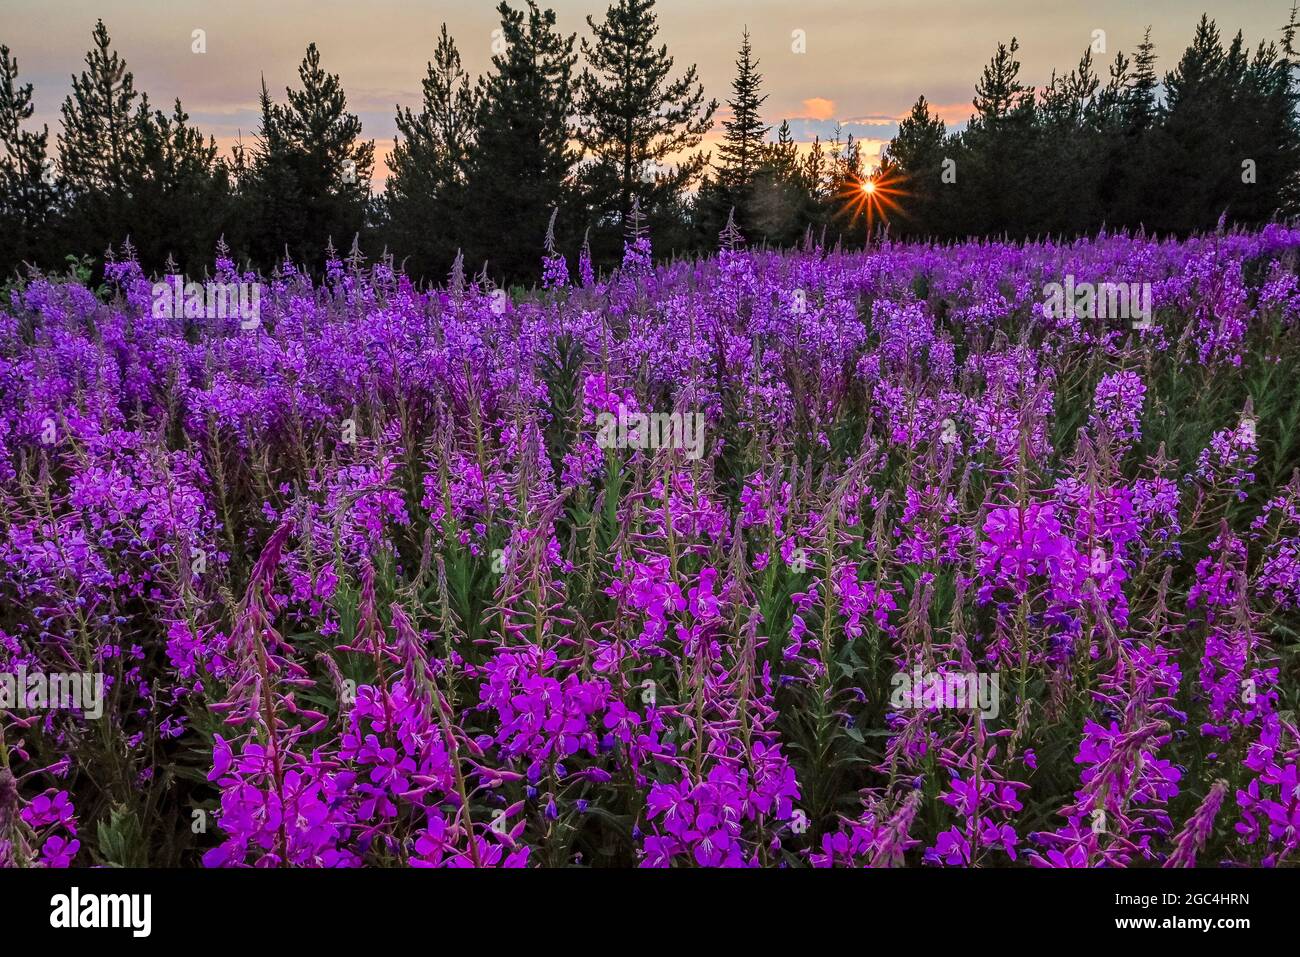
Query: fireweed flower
point(862, 600)
point(367, 567)
point(1270, 804)
point(1117, 406)
point(1227, 461)
point(875, 839)
point(929, 528)
point(1191, 839)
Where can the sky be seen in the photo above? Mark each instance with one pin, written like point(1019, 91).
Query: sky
point(857, 63)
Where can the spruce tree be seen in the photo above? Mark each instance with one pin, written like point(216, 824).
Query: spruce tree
point(915, 158)
point(742, 142)
point(424, 197)
point(635, 117)
point(99, 148)
point(27, 177)
point(521, 167)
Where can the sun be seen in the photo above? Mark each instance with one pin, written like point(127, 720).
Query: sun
point(874, 197)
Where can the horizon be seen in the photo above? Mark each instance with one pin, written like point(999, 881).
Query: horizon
point(810, 90)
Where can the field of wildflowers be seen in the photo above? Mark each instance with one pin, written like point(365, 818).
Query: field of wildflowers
point(952, 578)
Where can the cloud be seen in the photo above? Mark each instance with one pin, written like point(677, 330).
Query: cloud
point(953, 114)
point(805, 129)
point(873, 120)
point(818, 108)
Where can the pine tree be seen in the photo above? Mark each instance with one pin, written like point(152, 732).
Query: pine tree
point(634, 117)
point(1193, 82)
point(916, 146)
point(1067, 101)
point(812, 170)
point(1126, 112)
point(999, 94)
point(179, 193)
point(781, 207)
point(1142, 107)
point(99, 148)
point(428, 165)
point(27, 180)
point(742, 143)
point(1262, 130)
point(309, 179)
point(915, 157)
point(1188, 188)
point(100, 143)
point(441, 134)
point(783, 155)
point(272, 214)
point(523, 161)
point(846, 172)
point(330, 162)
point(1286, 97)
point(135, 173)
point(999, 145)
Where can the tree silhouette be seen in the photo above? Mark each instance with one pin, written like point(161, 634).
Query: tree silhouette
point(428, 166)
point(522, 165)
point(28, 182)
point(309, 182)
point(634, 117)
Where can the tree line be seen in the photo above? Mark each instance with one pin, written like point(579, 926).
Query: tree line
point(576, 135)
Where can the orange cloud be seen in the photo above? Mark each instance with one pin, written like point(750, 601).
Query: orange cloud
point(950, 113)
point(818, 108)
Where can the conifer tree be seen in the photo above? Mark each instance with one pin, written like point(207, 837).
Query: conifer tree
point(309, 182)
point(997, 174)
point(100, 142)
point(134, 173)
point(1189, 186)
point(28, 182)
point(635, 116)
point(331, 162)
point(424, 197)
point(99, 147)
point(523, 162)
point(781, 207)
point(179, 193)
point(1142, 106)
point(915, 158)
point(742, 143)
point(729, 190)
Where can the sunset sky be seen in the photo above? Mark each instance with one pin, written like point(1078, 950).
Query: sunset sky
point(866, 60)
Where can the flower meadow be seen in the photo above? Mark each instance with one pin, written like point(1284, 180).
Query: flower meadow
point(403, 576)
